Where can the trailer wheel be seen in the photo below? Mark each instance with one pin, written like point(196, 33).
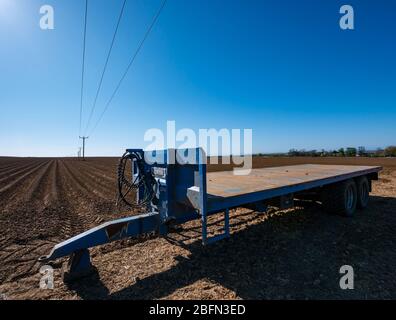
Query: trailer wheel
point(341, 198)
point(363, 192)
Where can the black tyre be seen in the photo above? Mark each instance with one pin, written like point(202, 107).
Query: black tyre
point(340, 198)
point(363, 192)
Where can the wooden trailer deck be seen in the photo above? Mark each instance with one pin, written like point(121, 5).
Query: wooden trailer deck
point(224, 189)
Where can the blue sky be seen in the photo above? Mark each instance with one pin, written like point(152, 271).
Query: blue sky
point(282, 68)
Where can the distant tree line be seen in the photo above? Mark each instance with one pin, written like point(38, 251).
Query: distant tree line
point(345, 152)
point(342, 152)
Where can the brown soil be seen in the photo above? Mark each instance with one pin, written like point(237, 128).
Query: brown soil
point(280, 255)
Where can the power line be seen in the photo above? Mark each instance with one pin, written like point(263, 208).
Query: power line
point(105, 66)
point(83, 64)
point(130, 63)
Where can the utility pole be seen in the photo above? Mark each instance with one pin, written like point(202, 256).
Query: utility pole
point(83, 138)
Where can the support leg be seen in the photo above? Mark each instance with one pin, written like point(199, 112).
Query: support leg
point(204, 229)
point(227, 222)
point(206, 240)
point(79, 265)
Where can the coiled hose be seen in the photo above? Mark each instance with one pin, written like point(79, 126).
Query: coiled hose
point(143, 180)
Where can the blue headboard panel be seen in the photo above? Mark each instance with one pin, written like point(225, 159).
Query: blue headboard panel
point(177, 170)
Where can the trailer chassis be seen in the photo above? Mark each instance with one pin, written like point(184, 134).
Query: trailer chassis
point(181, 196)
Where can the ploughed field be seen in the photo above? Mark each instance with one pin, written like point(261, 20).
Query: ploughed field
point(288, 254)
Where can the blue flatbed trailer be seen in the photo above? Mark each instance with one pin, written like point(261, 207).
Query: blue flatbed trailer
point(184, 191)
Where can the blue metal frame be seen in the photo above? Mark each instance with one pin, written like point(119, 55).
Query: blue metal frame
point(173, 205)
point(182, 196)
point(216, 204)
point(105, 233)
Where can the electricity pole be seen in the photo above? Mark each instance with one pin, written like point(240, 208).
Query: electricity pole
point(83, 138)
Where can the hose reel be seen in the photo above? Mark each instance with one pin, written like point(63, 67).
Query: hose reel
point(133, 176)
